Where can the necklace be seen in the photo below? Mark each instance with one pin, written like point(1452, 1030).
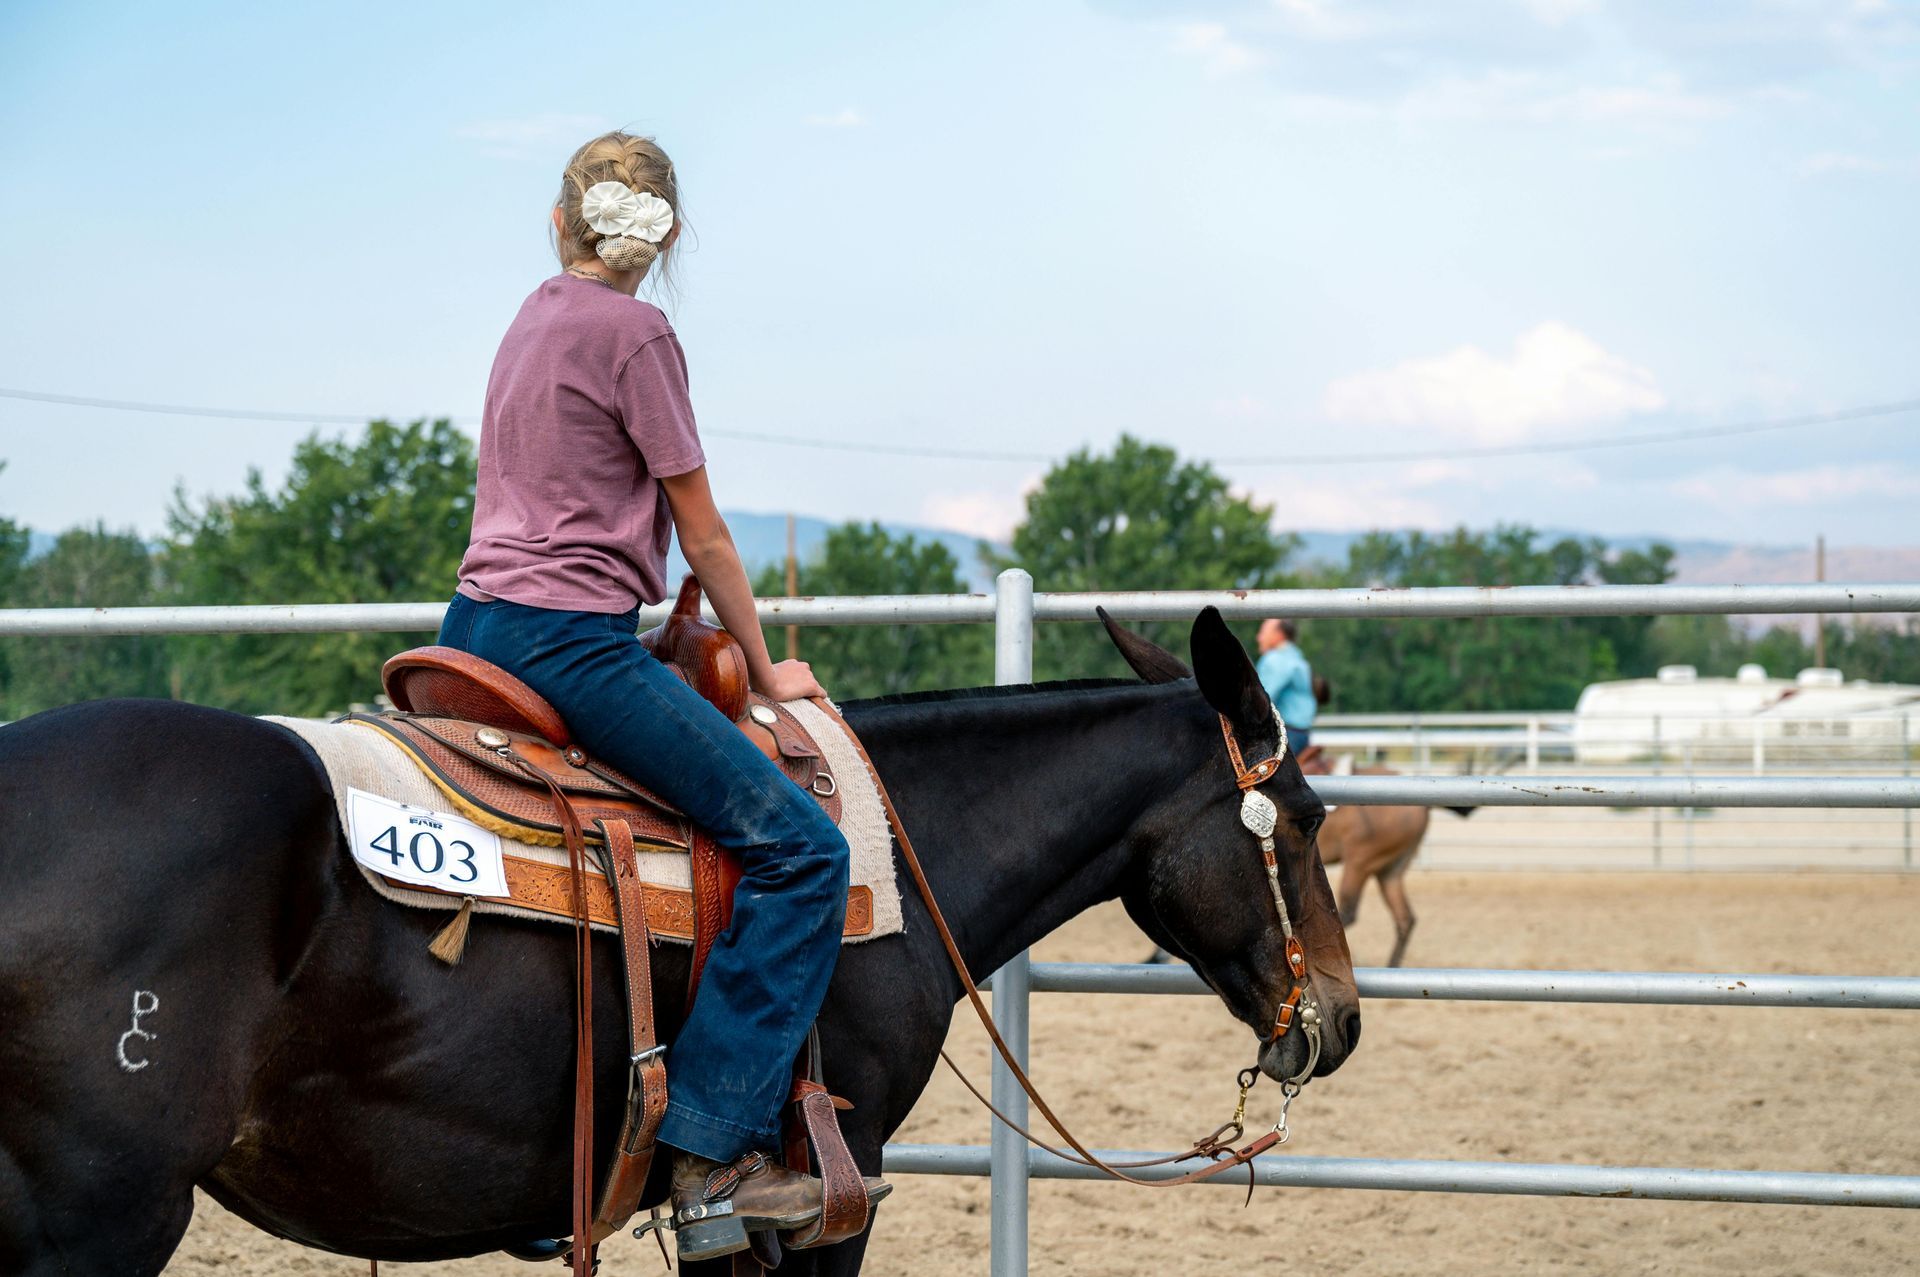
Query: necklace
point(578, 273)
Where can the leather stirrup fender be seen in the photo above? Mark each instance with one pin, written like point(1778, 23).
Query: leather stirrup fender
point(647, 1070)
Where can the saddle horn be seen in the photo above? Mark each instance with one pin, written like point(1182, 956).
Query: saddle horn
point(707, 657)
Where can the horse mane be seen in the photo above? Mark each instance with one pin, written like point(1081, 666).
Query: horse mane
point(1067, 686)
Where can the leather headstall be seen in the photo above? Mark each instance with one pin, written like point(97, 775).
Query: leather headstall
point(1261, 818)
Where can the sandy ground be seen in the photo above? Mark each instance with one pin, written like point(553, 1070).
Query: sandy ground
point(1747, 1089)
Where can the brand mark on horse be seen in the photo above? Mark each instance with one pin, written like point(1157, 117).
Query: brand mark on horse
point(150, 1004)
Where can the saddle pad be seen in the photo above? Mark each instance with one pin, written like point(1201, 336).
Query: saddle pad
point(363, 758)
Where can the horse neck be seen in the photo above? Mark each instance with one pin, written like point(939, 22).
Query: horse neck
point(1021, 804)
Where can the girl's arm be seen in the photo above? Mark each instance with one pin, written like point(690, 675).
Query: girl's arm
point(710, 552)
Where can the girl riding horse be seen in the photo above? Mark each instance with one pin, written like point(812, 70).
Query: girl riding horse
point(589, 461)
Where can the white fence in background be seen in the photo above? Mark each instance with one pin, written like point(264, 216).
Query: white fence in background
point(1013, 610)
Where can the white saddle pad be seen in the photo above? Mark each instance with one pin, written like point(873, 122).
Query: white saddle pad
point(364, 759)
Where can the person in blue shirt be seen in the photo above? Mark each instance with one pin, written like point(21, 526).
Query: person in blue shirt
point(1288, 678)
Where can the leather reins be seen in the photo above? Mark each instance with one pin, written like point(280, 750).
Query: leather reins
point(1216, 1147)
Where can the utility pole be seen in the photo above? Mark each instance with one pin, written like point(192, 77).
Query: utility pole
point(793, 588)
point(1820, 622)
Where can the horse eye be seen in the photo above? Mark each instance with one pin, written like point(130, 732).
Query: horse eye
point(1311, 825)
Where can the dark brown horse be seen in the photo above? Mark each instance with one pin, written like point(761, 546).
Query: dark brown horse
point(1373, 843)
point(198, 988)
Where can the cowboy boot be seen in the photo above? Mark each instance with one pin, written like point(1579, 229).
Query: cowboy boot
point(716, 1204)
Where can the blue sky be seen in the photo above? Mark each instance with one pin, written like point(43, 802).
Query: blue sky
point(1287, 227)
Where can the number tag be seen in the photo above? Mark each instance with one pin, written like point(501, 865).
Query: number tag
point(430, 848)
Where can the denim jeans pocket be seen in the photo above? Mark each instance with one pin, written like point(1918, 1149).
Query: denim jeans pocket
point(456, 627)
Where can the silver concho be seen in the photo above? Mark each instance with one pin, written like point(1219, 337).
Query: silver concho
point(764, 715)
point(1258, 813)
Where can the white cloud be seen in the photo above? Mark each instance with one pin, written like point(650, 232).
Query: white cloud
point(991, 514)
point(1556, 376)
point(1572, 476)
point(1555, 13)
point(533, 134)
point(1827, 163)
point(1219, 53)
point(845, 118)
point(1427, 474)
point(1735, 488)
point(1240, 407)
point(1535, 98)
point(1323, 20)
point(1357, 502)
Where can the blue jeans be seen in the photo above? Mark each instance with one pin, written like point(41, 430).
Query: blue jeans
point(1298, 738)
point(730, 1067)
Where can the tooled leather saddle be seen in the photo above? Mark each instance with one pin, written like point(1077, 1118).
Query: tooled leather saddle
point(499, 747)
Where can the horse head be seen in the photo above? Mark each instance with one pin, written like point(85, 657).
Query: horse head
point(1200, 886)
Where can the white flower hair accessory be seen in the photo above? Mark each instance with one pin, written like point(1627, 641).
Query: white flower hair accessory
point(614, 208)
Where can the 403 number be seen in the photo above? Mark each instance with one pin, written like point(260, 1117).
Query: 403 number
point(426, 843)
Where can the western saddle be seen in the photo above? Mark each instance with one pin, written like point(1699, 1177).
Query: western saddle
point(502, 748)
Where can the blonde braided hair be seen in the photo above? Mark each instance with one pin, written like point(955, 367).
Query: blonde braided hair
point(633, 161)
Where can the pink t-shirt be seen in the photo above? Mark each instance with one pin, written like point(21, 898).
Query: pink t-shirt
point(587, 410)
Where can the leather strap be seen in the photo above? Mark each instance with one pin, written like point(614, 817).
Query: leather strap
point(647, 1079)
point(715, 875)
point(582, 1253)
point(1224, 1157)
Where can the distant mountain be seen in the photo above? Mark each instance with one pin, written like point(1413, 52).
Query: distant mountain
point(762, 539)
point(1329, 549)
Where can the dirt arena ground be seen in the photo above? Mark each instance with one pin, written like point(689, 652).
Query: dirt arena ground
point(1748, 1089)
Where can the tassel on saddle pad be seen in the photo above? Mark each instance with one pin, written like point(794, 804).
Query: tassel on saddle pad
point(450, 942)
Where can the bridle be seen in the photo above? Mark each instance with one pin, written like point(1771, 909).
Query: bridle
point(1259, 815)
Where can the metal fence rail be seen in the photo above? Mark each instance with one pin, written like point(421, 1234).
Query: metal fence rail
point(920, 609)
point(1545, 1179)
point(1477, 984)
point(1014, 608)
point(1621, 791)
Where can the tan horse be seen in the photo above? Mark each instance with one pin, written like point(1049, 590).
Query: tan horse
point(1372, 842)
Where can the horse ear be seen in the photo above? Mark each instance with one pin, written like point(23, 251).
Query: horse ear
point(1227, 678)
point(1146, 658)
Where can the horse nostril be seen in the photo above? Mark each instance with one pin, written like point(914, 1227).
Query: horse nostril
point(1350, 1028)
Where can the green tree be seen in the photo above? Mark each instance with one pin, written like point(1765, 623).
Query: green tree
point(87, 567)
point(1711, 644)
point(13, 557)
point(1139, 519)
point(875, 660)
point(381, 519)
point(1480, 663)
point(1881, 653)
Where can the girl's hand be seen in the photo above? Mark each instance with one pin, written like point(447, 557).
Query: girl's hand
point(791, 681)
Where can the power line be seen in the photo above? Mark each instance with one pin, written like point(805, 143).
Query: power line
point(1592, 443)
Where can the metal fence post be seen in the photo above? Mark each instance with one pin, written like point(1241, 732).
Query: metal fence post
point(1688, 813)
point(1906, 814)
point(1012, 663)
point(1659, 756)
